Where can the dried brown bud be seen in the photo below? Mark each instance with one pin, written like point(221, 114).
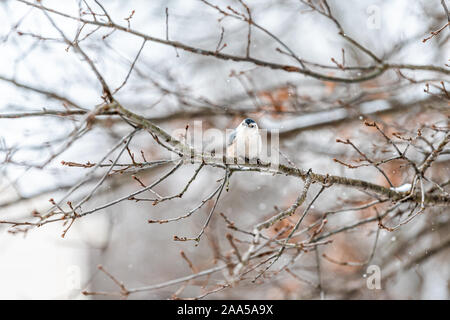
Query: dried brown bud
point(370, 124)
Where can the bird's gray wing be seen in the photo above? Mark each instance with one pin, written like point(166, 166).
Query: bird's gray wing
point(231, 138)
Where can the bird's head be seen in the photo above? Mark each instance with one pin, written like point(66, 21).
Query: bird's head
point(249, 123)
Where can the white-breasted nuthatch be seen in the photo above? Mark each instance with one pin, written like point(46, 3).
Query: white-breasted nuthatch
point(245, 141)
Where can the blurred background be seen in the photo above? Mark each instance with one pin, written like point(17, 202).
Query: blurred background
point(173, 88)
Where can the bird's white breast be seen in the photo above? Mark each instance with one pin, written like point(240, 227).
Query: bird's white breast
point(247, 143)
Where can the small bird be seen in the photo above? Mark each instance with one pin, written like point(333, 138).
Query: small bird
point(245, 141)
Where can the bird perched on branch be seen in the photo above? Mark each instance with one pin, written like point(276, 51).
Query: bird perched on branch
point(245, 141)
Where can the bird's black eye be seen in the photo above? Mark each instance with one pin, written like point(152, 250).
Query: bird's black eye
point(248, 121)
